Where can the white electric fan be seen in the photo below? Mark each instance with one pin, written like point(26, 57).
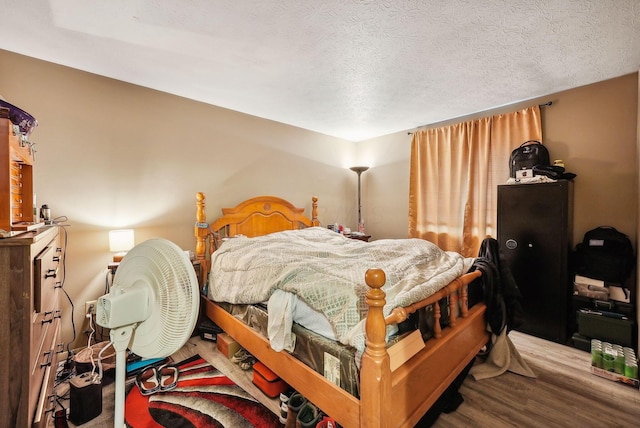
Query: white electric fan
point(151, 308)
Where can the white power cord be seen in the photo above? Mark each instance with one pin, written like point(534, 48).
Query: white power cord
point(93, 364)
point(96, 377)
point(100, 360)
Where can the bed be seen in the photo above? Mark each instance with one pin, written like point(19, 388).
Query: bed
point(386, 398)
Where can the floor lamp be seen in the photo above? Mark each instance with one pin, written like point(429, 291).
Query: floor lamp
point(359, 170)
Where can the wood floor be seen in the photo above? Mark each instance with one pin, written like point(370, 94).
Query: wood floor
point(564, 394)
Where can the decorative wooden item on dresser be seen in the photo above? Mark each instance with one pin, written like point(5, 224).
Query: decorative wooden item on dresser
point(16, 180)
point(31, 275)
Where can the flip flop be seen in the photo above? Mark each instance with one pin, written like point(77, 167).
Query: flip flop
point(168, 377)
point(247, 363)
point(147, 381)
point(240, 356)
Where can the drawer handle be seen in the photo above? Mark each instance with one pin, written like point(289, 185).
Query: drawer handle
point(48, 359)
point(58, 249)
point(60, 348)
point(51, 403)
point(56, 258)
point(57, 314)
point(51, 273)
point(48, 317)
point(58, 285)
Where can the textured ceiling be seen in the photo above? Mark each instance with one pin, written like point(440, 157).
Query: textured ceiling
point(354, 69)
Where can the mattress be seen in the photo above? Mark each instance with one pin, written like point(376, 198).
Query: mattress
point(330, 358)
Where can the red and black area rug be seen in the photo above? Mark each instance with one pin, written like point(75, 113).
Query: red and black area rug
point(204, 397)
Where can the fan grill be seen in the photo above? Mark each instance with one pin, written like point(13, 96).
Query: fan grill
point(174, 296)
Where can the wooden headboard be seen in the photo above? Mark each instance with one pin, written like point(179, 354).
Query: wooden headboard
point(254, 217)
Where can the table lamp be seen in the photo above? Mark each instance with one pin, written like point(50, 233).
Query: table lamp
point(120, 241)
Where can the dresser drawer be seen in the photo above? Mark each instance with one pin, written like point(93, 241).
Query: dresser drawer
point(44, 360)
point(47, 400)
point(39, 328)
point(47, 278)
point(16, 195)
point(15, 174)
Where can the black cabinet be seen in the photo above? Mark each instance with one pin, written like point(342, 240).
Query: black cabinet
point(534, 232)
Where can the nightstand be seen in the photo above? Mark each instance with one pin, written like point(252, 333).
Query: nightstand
point(113, 267)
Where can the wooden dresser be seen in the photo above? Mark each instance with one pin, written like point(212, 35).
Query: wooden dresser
point(31, 275)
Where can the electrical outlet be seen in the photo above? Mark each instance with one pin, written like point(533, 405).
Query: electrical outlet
point(90, 307)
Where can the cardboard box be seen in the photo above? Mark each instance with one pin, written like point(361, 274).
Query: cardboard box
point(226, 345)
point(615, 377)
point(405, 348)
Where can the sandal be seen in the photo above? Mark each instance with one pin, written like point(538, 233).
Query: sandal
point(168, 377)
point(147, 381)
point(240, 356)
point(247, 363)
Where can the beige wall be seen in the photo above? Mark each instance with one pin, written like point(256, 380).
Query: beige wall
point(112, 155)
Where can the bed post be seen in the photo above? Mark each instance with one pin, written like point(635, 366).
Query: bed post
point(375, 389)
point(314, 211)
point(201, 231)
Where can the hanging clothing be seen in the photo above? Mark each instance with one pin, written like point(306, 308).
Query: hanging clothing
point(504, 313)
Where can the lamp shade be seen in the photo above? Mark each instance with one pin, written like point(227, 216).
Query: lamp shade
point(359, 169)
point(121, 240)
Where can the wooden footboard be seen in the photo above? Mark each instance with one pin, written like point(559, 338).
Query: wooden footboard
point(400, 398)
point(387, 399)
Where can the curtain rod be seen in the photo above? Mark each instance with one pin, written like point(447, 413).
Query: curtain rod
point(547, 104)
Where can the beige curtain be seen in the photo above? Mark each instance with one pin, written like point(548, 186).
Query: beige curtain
point(455, 171)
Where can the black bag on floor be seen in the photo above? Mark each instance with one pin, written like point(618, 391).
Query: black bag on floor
point(530, 153)
point(605, 254)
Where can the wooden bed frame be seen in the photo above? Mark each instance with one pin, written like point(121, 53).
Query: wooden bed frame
point(388, 398)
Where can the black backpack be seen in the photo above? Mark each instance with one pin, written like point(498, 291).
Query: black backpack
point(530, 153)
point(605, 254)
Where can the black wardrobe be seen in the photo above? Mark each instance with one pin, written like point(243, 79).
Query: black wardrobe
point(535, 233)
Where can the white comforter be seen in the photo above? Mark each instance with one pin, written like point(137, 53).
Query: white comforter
point(326, 270)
